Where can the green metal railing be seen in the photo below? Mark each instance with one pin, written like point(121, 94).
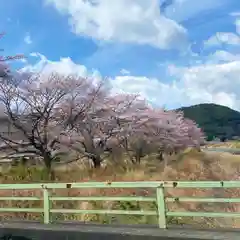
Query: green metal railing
point(159, 197)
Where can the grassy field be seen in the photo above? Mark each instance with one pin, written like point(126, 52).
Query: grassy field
point(228, 144)
point(190, 165)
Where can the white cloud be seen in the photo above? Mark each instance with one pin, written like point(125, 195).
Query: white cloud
point(223, 56)
point(125, 72)
point(27, 39)
point(135, 21)
point(152, 89)
point(217, 83)
point(184, 10)
point(23, 60)
point(212, 82)
point(223, 38)
point(65, 66)
point(237, 23)
point(208, 83)
point(235, 14)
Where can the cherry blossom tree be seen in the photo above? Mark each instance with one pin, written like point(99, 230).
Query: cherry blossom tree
point(125, 121)
point(164, 131)
point(32, 106)
point(4, 68)
point(56, 110)
point(100, 126)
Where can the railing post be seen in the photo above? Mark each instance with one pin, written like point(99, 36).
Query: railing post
point(46, 206)
point(162, 223)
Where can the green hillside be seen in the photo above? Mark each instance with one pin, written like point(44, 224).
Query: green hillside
point(215, 120)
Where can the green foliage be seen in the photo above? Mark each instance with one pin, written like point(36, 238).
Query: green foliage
point(21, 174)
point(215, 120)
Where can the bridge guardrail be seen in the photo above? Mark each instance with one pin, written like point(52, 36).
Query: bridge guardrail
point(159, 186)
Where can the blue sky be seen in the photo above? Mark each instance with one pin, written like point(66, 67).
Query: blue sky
point(172, 52)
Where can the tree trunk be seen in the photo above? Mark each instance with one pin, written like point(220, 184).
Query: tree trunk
point(96, 161)
point(23, 161)
point(115, 154)
point(137, 158)
point(160, 156)
point(47, 158)
point(198, 148)
point(138, 155)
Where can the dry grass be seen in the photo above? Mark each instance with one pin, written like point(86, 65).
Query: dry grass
point(190, 165)
point(228, 144)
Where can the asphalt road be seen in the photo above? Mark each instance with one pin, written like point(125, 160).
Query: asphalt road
point(37, 231)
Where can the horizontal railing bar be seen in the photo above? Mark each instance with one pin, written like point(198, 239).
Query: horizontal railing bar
point(33, 210)
point(193, 199)
point(151, 184)
point(113, 212)
point(116, 184)
point(81, 185)
point(142, 199)
point(20, 199)
point(203, 214)
point(202, 184)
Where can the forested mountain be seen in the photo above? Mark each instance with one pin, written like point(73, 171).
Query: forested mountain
point(215, 120)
